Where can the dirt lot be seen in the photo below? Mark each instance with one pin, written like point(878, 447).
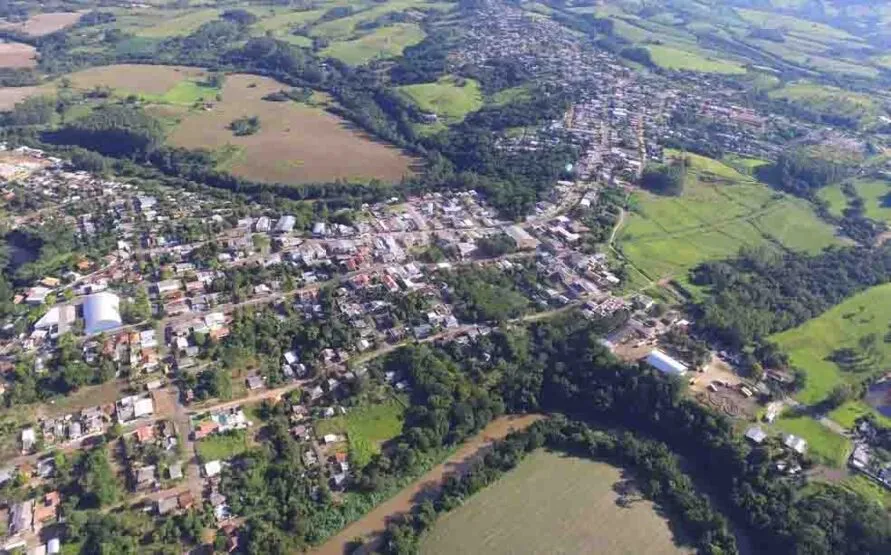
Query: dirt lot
point(44, 23)
point(10, 96)
point(725, 396)
point(296, 143)
point(135, 78)
point(17, 54)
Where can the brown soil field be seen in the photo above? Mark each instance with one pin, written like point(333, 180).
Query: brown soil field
point(296, 143)
point(135, 78)
point(17, 54)
point(10, 96)
point(375, 522)
point(44, 23)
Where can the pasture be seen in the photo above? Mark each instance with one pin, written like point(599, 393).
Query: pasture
point(720, 211)
point(152, 81)
point(677, 59)
point(823, 444)
point(876, 195)
point(366, 427)
point(17, 55)
point(296, 143)
point(450, 98)
point(552, 503)
point(860, 323)
point(830, 100)
point(10, 96)
point(42, 24)
point(383, 42)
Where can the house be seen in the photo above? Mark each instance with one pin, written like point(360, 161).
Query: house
point(29, 437)
point(254, 382)
point(47, 509)
point(212, 468)
point(175, 471)
point(665, 364)
point(145, 476)
point(185, 500)
point(521, 237)
point(756, 434)
point(21, 517)
point(167, 505)
point(145, 433)
point(796, 444)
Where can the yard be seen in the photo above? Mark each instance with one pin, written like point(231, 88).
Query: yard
point(552, 503)
point(862, 316)
point(720, 211)
point(220, 447)
point(823, 444)
point(366, 427)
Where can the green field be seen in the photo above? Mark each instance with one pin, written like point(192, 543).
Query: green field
point(220, 447)
point(450, 98)
point(675, 58)
point(178, 25)
point(720, 211)
point(869, 490)
point(848, 413)
point(384, 42)
point(366, 427)
point(823, 444)
point(552, 503)
point(876, 195)
point(830, 100)
point(843, 326)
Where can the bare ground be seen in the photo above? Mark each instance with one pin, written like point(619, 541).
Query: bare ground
point(44, 23)
point(17, 54)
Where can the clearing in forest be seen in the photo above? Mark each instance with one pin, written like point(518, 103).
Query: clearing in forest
point(719, 211)
point(152, 81)
point(552, 503)
point(42, 24)
point(295, 143)
point(17, 55)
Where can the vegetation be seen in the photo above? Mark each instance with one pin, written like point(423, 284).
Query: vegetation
point(224, 446)
point(666, 179)
point(367, 428)
point(247, 125)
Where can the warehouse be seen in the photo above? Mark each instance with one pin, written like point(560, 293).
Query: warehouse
point(102, 312)
point(665, 364)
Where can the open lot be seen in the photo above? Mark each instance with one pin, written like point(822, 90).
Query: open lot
point(42, 24)
point(17, 54)
point(296, 143)
point(223, 446)
point(865, 315)
point(719, 211)
point(552, 503)
point(367, 428)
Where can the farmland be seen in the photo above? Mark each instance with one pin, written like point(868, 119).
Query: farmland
point(42, 24)
point(552, 504)
point(294, 144)
point(675, 58)
point(865, 315)
point(17, 54)
point(384, 42)
point(719, 211)
point(366, 428)
point(146, 80)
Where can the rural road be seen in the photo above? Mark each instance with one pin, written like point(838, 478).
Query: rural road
point(373, 523)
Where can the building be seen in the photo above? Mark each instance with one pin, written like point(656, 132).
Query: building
point(285, 224)
point(58, 316)
point(521, 237)
point(665, 364)
point(212, 468)
point(102, 312)
point(796, 444)
point(756, 434)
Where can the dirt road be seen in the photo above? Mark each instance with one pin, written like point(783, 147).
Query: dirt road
point(375, 522)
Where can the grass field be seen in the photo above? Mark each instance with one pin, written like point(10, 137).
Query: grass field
point(450, 98)
point(675, 58)
point(823, 444)
point(843, 326)
point(180, 24)
point(149, 80)
point(366, 428)
point(720, 211)
point(830, 100)
point(876, 195)
point(220, 447)
point(17, 54)
point(848, 413)
point(295, 142)
point(552, 504)
point(382, 43)
point(869, 490)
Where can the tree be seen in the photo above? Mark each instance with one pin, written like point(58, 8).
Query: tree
point(665, 179)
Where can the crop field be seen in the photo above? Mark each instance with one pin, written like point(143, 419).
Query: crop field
point(823, 444)
point(383, 42)
point(552, 504)
point(450, 98)
point(17, 54)
point(876, 195)
point(720, 211)
point(863, 316)
point(42, 24)
point(296, 143)
point(367, 428)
